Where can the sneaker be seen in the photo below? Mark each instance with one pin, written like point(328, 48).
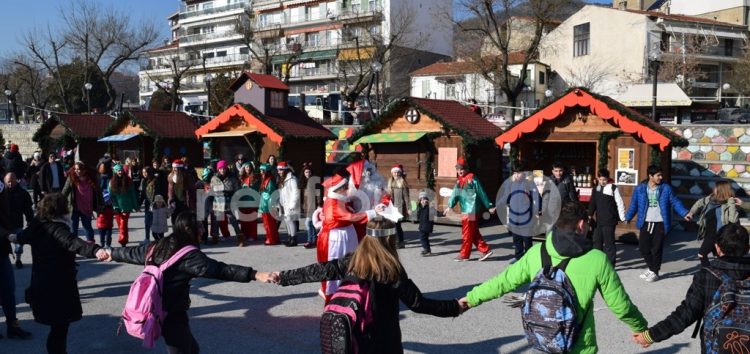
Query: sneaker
point(485, 255)
point(401, 245)
point(310, 245)
point(19, 264)
point(652, 277)
point(15, 331)
point(425, 253)
point(645, 274)
point(460, 259)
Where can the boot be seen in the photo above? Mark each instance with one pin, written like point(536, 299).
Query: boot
point(15, 331)
point(241, 239)
point(292, 242)
point(19, 264)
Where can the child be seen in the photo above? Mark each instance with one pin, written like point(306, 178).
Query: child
point(161, 214)
point(104, 222)
point(376, 260)
point(424, 215)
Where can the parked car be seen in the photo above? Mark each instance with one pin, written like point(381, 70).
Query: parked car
point(734, 115)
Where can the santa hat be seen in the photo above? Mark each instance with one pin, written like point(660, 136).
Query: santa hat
point(356, 169)
point(460, 163)
point(397, 168)
point(178, 164)
point(282, 166)
point(13, 148)
point(337, 181)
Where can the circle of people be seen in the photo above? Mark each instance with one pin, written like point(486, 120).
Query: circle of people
point(359, 220)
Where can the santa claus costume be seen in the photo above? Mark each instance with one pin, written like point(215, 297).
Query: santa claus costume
point(468, 192)
point(338, 236)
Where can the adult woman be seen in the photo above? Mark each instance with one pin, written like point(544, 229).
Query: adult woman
point(124, 201)
point(53, 293)
point(376, 261)
point(398, 189)
point(223, 186)
point(84, 198)
point(176, 289)
point(249, 202)
point(32, 175)
point(178, 190)
point(149, 186)
point(311, 200)
point(716, 210)
point(267, 189)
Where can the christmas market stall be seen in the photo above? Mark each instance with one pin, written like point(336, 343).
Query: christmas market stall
point(589, 132)
point(74, 132)
point(427, 137)
point(154, 134)
point(261, 123)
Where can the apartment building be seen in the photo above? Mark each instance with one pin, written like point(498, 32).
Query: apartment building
point(323, 36)
point(608, 49)
point(731, 11)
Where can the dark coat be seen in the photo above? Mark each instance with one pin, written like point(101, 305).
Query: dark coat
point(566, 189)
point(177, 277)
point(699, 297)
point(424, 218)
point(53, 293)
point(385, 330)
point(21, 203)
point(5, 228)
point(14, 163)
point(45, 176)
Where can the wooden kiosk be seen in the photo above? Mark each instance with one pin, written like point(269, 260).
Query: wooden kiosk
point(426, 137)
point(154, 134)
point(590, 131)
point(79, 131)
point(262, 123)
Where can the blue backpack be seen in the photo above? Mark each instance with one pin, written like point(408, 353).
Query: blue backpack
point(726, 324)
point(549, 314)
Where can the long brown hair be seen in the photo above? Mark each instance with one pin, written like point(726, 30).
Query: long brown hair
point(376, 258)
point(52, 206)
point(722, 192)
point(86, 172)
point(119, 184)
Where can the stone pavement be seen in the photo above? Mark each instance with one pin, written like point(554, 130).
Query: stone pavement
point(264, 318)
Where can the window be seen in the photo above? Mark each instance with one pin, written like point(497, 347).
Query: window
point(450, 91)
point(356, 5)
point(541, 77)
point(728, 47)
point(244, 50)
point(314, 12)
point(665, 42)
point(208, 5)
point(277, 99)
point(581, 43)
point(373, 4)
point(222, 53)
point(426, 89)
point(208, 55)
point(313, 39)
point(208, 29)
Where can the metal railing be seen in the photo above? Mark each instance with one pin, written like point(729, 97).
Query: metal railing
point(225, 60)
point(309, 73)
point(193, 38)
point(184, 14)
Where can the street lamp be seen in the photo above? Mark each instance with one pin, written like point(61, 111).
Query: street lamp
point(7, 94)
point(208, 79)
point(725, 87)
point(654, 60)
point(376, 68)
point(88, 87)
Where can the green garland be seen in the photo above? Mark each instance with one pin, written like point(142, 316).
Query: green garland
point(604, 139)
point(429, 175)
point(655, 156)
point(280, 153)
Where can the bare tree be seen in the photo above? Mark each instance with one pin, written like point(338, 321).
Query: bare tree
point(739, 77)
point(679, 63)
point(178, 63)
point(494, 24)
point(51, 52)
point(262, 49)
point(591, 75)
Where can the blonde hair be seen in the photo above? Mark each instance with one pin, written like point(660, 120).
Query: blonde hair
point(376, 258)
point(722, 192)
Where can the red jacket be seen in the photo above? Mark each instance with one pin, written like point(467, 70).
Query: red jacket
point(104, 219)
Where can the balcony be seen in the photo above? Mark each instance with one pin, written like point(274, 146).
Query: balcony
point(355, 15)
point(310, 73)
point(204, 37)
point(219, 61)
point(184, 14)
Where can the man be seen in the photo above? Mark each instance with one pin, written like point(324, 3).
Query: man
point(732, 248)
point(564, 183)
point(21, 203)
point(519, 195)
point(468, 192)
point(14, 161)
point(609, 209)
point(7, 278)
point(588, 271)
point(289, 200)
point(653, 201)
point(52, 176)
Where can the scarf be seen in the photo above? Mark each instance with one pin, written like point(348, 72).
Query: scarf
point(465, 179)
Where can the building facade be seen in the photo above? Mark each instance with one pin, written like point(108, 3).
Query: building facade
point(731, 11)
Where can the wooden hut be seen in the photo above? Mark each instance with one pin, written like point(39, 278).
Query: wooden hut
point(74, 131)
point(154, 134)
point(426, 137)
point(590, 132)
point(261, 123)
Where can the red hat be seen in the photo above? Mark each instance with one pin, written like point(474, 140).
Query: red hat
point(356, 169)
point(13, 148)
point(178, 164)
point(386, 199)
point(282, 166)
point(460, 163)
point(397, 168)
point(337, 181)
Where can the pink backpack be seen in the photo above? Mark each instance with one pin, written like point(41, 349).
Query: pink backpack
point(143, 314)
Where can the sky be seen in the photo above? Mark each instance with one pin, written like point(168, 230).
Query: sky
point(21, 16)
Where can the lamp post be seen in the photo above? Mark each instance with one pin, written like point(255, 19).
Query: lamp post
point(88, 87)
point(654, 60)
point(376, 68)
point(725, 87)
point(7, 94)
point(548, 95)
point(208, 94)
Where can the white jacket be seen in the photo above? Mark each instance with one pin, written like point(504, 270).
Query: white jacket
point(289, 196)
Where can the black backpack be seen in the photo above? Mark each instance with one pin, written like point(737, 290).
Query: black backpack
point(346, 318)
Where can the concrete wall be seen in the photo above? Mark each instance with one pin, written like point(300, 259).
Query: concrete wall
point(21, 134)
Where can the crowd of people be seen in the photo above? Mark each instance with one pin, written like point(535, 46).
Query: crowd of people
point(353, 220)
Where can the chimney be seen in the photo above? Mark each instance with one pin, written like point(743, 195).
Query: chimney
point(622, 5)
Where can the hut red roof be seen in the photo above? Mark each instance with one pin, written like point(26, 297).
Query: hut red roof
point(457, 116)
point(263, 80)
point(85, 125)
point(158, 124)
point(628, 120)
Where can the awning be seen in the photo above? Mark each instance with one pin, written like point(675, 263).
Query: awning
point(667, 95)
point(229, 134)
point(405, 137)
point(351, 53)
point(306, 56)
point(119, 137)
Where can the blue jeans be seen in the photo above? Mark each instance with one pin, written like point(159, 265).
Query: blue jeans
point(18, 249)
point(105, 237)
point(86, 221)
point(148, 220)
point(312, 234)
point(7, 289)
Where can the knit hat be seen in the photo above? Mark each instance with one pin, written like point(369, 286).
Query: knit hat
point(282, 166)
point(397, 168)
point(265, 167)
point(158, 199)
point(221, 164)
point(117, 167)
point(248, 164)
point(178, 164)
point(423, 195)
point(13, 148)
point(460, 163)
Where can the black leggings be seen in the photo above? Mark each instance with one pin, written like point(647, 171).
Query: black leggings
point(399, 232)
point(176, 332)
point(57, 340)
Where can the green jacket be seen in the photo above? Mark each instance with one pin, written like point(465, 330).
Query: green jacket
point(729, 214)
point(126, 202)
point(467, 197)
point(266, 195)
point(588, 273)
